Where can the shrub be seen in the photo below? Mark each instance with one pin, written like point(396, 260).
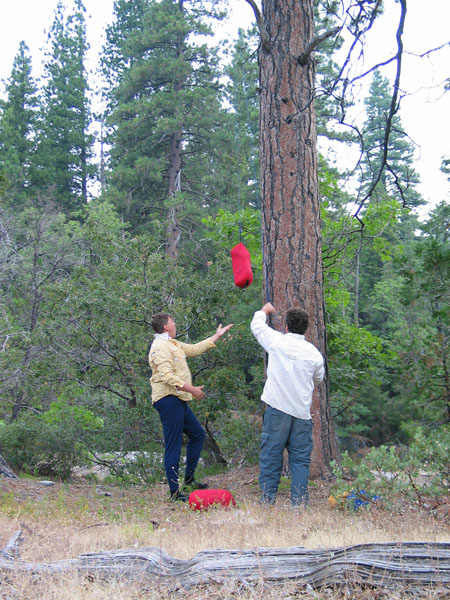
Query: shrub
point(420, 472)
point(51, 443)
point(239, 438)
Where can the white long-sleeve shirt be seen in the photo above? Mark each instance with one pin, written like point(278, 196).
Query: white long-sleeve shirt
point(295, 366)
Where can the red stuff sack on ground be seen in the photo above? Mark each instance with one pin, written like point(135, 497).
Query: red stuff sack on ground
point(203, 499)
point(242, 266)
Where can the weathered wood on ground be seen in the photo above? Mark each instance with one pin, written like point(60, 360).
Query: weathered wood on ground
point(387, 565)
point(5, 469)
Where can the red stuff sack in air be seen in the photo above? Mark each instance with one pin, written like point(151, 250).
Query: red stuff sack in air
point(242, 266)
point(203, 499)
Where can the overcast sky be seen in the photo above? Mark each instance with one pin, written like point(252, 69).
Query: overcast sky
point(425, 110)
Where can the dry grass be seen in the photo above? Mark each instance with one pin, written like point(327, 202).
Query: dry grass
point(78, 589)
point(65, 521)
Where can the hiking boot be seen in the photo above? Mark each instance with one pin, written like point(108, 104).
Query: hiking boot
point(178, 497)
point(191, 484)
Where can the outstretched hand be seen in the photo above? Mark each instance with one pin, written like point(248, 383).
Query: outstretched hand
point(221, 331)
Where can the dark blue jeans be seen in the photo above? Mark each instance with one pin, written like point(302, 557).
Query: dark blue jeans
point(282, 431)
point(177, 418)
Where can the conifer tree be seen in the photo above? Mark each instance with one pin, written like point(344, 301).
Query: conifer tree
point(388, 155)
point(65, 146)
point(18, 129)
point(243, 97)
point(165, 112)
point(425, 294)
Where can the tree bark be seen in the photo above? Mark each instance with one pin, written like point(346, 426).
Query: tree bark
point(290, 193)
point(212, 447)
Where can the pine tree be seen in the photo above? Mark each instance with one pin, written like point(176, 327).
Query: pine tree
point(243, 98)
point(427, 292)
point(291, 222)
point(18, 129)
point(65, 146)
point(165, 113)
point(388, 155)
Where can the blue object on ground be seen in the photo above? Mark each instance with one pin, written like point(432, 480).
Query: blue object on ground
point(357, 498)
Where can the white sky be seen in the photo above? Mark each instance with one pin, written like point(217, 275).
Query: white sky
point(424, 111)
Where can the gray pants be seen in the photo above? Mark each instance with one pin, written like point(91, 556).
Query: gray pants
point(282, 431)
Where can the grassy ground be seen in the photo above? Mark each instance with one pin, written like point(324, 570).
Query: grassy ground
point(66, 520)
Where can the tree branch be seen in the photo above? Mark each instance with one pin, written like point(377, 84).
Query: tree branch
point(265, 38)
point(312, 45)
point(393, 108)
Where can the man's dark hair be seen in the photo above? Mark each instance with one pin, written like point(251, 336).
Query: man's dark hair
point(296, 320)
point(159, 320)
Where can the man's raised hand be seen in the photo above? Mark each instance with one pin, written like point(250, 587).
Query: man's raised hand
point(268, 308)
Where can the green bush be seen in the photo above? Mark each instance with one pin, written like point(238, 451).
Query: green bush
point(51, 443)
point(239, 438)
point(415, 474)
point(132, 468)
point(36, 447)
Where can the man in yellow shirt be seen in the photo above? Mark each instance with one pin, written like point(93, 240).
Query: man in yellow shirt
point(172, 389)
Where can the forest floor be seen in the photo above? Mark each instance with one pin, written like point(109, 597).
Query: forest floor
point(65, 520)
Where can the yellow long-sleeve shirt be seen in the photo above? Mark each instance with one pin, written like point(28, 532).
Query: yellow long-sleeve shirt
point(170, 371)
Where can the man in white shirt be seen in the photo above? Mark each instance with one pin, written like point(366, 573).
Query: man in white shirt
point(294, 367)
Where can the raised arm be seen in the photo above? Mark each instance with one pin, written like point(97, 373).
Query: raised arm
point(262, 332)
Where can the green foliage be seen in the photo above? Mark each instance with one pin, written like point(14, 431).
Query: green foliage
point(226, 229)
point(355, 359)
point(413, 474)
point(64, 144)
point(89, 343)
point(239, 438)
point(18, 128)
point(41, 448)
point(62, 414)
point(423, 341)
point(165, 120)
point(392, 172)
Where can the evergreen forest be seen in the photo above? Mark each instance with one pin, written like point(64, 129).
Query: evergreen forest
point(109, 215)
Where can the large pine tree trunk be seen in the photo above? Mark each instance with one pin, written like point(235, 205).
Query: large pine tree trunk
point(289, 189)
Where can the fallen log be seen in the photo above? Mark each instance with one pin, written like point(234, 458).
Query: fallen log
point(5, 469)
point(387, 565)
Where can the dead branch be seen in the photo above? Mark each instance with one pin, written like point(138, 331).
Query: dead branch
point(265, 38)
point(309, 49)
point(393, 108)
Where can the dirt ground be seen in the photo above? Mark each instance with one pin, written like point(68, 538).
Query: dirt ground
point(68, 519)
point(242, 483)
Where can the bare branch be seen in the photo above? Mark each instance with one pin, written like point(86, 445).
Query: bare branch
point(304, 57)
point(393, 108)
point(265, 38)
